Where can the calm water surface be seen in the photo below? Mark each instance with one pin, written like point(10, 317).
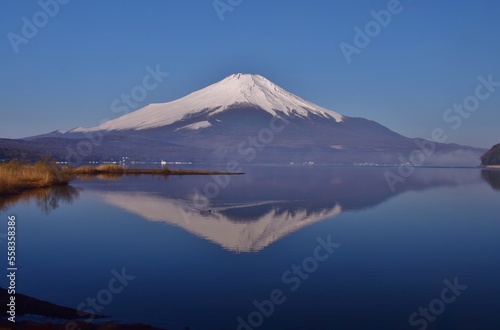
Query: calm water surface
point(208, 264)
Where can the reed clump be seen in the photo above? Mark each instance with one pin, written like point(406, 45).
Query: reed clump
point(101, 169)
point(16, 176)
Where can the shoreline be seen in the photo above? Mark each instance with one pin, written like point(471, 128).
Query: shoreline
point(17, 177)
point(138, 171)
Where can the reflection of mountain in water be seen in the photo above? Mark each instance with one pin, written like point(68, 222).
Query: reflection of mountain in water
point(492, 177)
point(269, 220)
point(47, 199)
point(265, 205)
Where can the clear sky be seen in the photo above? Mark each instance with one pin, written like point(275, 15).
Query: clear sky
point(428, 57)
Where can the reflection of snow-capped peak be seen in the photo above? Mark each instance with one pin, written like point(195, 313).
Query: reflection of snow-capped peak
point(214, 225)
point(236, 89)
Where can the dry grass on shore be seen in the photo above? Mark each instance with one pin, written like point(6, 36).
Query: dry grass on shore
point(101, 169)
point(111, 169)
point(16, 177)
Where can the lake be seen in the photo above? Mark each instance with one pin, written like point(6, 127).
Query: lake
point(298, 247)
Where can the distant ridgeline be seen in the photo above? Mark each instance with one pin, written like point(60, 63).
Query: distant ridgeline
point(491, 157)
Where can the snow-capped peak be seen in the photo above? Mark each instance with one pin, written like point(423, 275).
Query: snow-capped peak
point(235, 89)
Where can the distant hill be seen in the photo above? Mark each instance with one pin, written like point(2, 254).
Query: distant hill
point(491, 157)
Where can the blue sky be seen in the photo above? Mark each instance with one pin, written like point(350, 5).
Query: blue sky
point(90, 52)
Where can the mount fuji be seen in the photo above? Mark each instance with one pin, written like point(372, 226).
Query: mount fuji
point(244, 117)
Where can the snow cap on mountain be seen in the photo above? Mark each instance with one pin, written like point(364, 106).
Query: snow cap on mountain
point(236, 89)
